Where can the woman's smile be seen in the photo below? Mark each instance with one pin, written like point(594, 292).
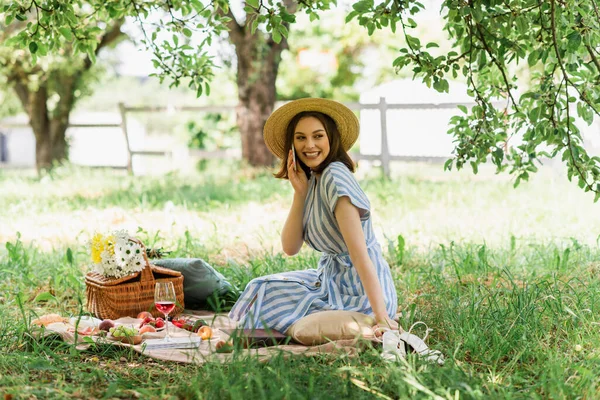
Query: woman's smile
point(311, 142)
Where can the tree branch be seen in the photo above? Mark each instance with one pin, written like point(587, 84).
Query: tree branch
point(236, 30)
point(596, 10)
point(500, 67)
point(594, 59)
point(559, 58)
point(109, 37)
point(567, 82)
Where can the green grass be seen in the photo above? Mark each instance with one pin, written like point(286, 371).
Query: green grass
point(508, 280)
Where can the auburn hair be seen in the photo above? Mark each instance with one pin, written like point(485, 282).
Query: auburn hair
point(336, 150)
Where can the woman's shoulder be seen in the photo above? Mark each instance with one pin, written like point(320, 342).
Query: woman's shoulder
point(336, 168)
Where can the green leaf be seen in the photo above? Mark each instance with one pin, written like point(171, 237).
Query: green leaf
point(448, 165)
point(574, 40)
point(441, 85)
point(288, 17)
point(253, 26)
point(33, 47)
point(462, 108)
point(9, 18)
point(474, 166)
point(252, 3)
point(92, 55)
point(69, 256)
point(431, 44)
point(66, 32)
point(363, 6)
point(187, 32)
point(42, 49)
point(349, 17)
point(175, 40)
point(21, 17)
point(46, 296)
point(276, 36)
point(533, 58)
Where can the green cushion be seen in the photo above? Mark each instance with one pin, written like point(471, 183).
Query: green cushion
point(203, 286)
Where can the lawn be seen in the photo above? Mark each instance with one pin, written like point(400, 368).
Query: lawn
point(507, 278)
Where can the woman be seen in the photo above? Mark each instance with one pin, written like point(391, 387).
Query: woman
point(329, 212)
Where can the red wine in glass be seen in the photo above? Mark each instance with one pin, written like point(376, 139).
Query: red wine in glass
point(164, 300)
point(165, 307)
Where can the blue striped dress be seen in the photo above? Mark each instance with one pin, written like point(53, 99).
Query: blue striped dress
point(277, 301)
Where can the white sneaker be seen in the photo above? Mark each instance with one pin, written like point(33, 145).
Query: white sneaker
point(418, 345)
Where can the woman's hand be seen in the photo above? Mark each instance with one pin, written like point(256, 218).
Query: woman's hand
point(298, 178)
point(387, 323)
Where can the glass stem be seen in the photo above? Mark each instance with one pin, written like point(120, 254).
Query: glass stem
point(167, 326)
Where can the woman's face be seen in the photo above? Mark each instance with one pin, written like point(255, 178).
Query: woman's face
point(311, 142)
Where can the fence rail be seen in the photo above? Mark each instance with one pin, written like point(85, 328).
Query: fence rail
point(384, 157)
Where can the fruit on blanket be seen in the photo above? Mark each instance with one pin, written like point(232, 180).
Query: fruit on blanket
point(198, 324)
point(159, 323)
point(48, 319)
point(147, 328)
point(178, 322)
point(123, 331)
point(144, 314)
point(106, 325)
point(205, 332)
point(224, 347)
point(146, 321)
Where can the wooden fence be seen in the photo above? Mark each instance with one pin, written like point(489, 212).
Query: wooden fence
point(384, 158)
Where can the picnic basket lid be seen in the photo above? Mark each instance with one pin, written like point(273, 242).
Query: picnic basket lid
point(150, 272)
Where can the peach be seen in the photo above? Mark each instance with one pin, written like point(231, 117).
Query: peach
point(205, 332)
point(147, 328)
point(144, 314)
point(224, 347)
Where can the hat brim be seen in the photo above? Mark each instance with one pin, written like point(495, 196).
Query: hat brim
point(276, 126)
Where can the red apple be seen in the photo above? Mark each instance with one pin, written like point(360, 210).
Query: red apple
point(159, 322)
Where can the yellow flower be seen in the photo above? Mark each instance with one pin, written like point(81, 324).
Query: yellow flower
point(100, 244)
point(97, 248)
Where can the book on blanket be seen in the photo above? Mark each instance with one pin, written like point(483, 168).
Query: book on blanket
point(189, 342)
point(253, 338)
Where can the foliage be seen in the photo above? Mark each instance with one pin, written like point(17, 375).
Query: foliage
point(330, 59)
point(558, 39)
point(214, 131)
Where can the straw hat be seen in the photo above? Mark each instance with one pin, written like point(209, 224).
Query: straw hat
point(276, 126)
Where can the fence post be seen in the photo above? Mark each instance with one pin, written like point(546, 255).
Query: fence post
point(385, 152)
point(123, 111)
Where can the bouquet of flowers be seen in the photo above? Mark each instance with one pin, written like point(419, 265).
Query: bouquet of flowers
point(116, 254)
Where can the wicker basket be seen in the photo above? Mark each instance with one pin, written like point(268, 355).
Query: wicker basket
point(113, 298)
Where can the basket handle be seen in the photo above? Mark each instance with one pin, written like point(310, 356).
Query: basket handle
point(147, 274)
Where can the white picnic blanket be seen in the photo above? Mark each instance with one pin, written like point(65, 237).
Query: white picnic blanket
point(205, 352)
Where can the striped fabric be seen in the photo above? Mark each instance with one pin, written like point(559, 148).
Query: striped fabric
point(277, 301)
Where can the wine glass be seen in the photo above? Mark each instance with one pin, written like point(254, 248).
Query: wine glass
point(164, 300)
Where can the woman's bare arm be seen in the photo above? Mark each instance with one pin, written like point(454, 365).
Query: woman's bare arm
point(348, 218)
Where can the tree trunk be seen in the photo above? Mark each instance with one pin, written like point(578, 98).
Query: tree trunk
point(256, 78)
point(50, 142)
point(49, 127)
point(258, 58)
